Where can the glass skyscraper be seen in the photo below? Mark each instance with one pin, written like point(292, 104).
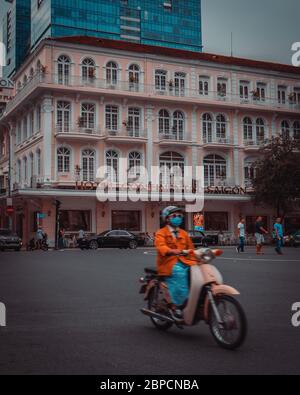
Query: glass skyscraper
point(170, 23)
point(16, 34)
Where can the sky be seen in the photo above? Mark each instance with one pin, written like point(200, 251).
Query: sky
point(261, 29)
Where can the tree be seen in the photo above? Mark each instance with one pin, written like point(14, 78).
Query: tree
point(277, 174)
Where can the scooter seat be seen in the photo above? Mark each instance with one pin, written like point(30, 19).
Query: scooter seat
point(151, 270)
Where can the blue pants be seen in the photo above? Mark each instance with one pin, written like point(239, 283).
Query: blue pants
point(178, 283)
point(242, 244)
point(279, 244)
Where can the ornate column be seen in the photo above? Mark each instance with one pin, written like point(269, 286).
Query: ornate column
point(195, 139)
point(274, 130)
point(236, 147)
point(47, 109)
point(149, 121)
point(11, 160)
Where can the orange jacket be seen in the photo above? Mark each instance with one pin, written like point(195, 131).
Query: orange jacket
point(164, 242)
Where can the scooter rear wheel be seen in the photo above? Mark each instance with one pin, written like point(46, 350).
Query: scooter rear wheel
point(234, 332)
point(159, 324)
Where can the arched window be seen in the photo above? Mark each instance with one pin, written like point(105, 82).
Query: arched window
point(134, 164)
point(63, 160)
point(203, 85)
point(160, 80)
point(24, 128)
point(25, 80)
point(31, 73)
point(112, 166)
point(88, 115)
point(112, 73)
point(171, 168)
point(63, 69)
point(180, 83)
point(19, 86)
point(38, 162)
point(63, 115)
point(296, 127)
point(25, 169)
point(163, 122)
point(207, 128)
point(260, 131)
point(88, 165)
point(31, 165)
point(248, 129)
point(178, 128)
point(112, 118)
point(249, 171)
point(19, 132)
point(134, 76)
point(134, 122)
point(285, 129)
point(88, 70)
point(215, 170)
point(38, 66)
point(19, 171)
point(221, 125)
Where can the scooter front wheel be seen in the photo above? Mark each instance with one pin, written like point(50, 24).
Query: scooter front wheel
point(231, 332)
point(152, 301)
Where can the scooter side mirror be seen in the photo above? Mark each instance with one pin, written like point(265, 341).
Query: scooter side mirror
point(217, 252)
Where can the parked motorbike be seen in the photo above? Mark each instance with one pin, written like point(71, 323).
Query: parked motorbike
point(209, 300)
point(35, 245)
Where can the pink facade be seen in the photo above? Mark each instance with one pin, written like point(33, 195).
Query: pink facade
point(81, 106)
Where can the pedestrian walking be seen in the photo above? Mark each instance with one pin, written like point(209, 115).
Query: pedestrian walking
point(61, 239)
point(260, 231)
point(39, 237)
point(81, 235)
point(278, 235)
point(241, 236)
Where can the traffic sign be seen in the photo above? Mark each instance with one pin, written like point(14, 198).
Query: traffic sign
point(10, 210)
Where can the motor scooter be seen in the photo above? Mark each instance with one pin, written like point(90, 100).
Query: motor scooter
point(209, 300)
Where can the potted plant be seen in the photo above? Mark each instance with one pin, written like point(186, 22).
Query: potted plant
point(77, 170)
point(92, 74)
point(292, 97)
point(255, 94)
point(80, 122)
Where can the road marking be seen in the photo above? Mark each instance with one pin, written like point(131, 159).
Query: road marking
point(243, 259)
point(263, 259)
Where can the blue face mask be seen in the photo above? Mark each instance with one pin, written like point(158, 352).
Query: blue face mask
point(176, 221)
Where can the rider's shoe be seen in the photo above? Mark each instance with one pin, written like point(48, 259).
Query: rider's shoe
point(177, 315)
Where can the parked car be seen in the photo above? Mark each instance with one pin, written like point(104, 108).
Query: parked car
point(293, 239)
point(200, 239)
point(111, 238)
point(9, 240)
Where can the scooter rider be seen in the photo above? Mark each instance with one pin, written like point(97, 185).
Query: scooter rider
point(170, 241)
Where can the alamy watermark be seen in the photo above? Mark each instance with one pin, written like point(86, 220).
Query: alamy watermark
point(2, 314)
point(164, 183)
point(296, 315)
point(296, 56)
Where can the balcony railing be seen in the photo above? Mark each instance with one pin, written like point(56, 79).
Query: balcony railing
point(217, 140)
point(174, 136)
point(125, 132)
point(253, 143)
point(42, 80)
point(77, 130)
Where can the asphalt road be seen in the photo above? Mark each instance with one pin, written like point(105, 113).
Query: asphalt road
point(77, 312)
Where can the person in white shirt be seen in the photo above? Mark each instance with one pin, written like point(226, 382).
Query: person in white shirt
point(241, 235)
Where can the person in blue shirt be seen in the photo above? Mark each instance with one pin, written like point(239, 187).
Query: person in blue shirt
point(278, 234)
